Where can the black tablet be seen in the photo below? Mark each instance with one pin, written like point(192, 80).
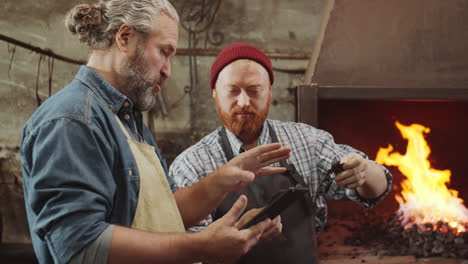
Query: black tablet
point(278, 203)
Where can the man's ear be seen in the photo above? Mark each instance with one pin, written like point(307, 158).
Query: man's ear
point(214, 93)
point(124, 36)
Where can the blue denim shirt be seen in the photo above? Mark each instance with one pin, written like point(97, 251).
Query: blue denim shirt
point(78, 171)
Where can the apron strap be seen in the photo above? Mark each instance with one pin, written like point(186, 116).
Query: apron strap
point(224, 141)
point(274, 138)
point(294, 177)
point(293, 174)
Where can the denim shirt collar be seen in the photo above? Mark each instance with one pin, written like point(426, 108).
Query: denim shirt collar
point(109, 95)
point(236, 143)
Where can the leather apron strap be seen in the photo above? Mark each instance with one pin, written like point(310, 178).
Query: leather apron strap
point(295, 177)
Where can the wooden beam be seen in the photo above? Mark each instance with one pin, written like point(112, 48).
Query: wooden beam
point(318, 41)
point(392, 93)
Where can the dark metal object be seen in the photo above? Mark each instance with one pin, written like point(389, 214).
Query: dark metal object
point(38, 98)
point(391, 93)
point(326, 182)
point(277, 204)
point(46, 52)
point(197, 18)
point(337, 168)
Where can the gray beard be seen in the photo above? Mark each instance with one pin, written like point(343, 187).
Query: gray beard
point(138, 88)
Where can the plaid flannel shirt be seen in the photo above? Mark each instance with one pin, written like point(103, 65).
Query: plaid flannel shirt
point(313, 152)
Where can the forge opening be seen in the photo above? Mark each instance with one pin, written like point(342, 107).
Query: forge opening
point(369, 125)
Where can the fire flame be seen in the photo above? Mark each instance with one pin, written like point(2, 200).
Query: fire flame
point(425, 197)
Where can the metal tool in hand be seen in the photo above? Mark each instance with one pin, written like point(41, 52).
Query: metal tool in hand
point(326, 182)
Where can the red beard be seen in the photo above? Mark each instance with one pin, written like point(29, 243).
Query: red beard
point(247, 128)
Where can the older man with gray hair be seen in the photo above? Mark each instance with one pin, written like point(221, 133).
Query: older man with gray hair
point(95, 184)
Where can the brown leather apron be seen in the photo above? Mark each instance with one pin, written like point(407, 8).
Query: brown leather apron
point(296, 244)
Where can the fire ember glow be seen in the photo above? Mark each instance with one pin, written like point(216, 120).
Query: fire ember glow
point(425, 199)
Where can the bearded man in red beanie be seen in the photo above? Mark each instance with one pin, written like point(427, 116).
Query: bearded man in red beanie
point(241, 81)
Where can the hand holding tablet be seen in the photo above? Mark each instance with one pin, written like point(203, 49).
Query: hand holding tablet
point(278, 203)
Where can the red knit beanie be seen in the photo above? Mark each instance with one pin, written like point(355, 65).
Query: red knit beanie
point(237, 51)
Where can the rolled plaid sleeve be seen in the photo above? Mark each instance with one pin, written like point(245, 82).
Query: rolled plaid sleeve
point(328, 152)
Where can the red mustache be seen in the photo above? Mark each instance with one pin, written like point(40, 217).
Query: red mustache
point(243, 110)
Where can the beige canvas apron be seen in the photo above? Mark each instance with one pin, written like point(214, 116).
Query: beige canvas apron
point(156, 210)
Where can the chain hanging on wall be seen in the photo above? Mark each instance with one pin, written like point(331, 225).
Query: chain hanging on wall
point(38, 98)
point(197, 18)
point(50, 64)
point(50, 68)
point(11, 50)
point(43, 53)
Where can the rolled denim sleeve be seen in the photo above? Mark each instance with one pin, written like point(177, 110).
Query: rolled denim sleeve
point(69, 185)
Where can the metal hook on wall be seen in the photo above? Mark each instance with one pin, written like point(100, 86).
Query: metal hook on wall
point(38, 99)
point(50, 64)
point(13, 51)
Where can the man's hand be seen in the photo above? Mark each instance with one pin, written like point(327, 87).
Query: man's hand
point(225, 242)
point(367, 177)
point(272, 230)
point(195, 202)
point(247, 166)
point(354, 174)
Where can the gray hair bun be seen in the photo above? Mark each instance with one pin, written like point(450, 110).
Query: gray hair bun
point(86, 21)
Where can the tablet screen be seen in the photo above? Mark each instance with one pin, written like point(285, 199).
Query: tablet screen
point(278, 203)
